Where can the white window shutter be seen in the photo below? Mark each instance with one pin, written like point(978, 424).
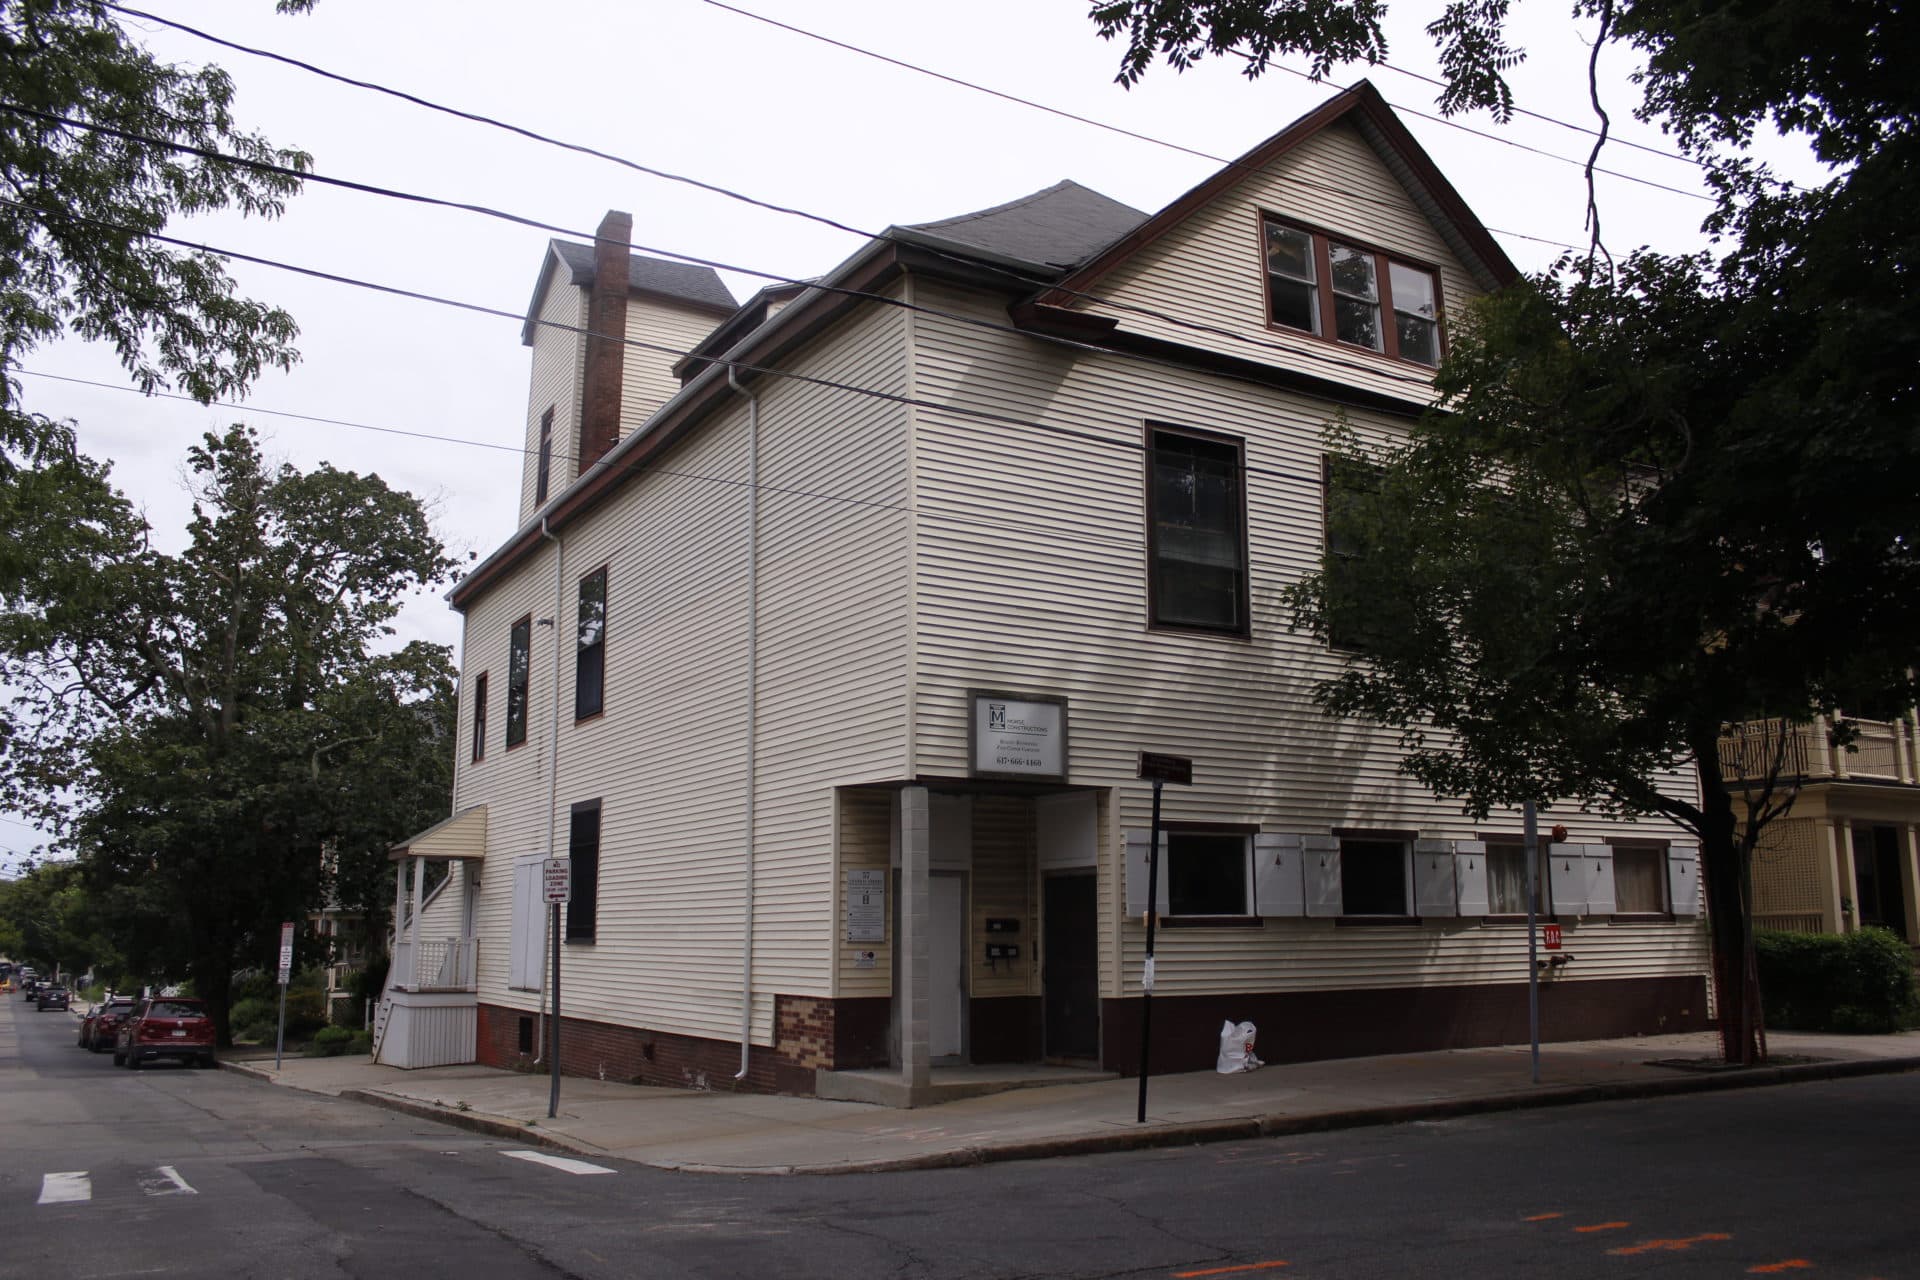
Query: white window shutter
point(1566, 867)
point(1600, 892)
point(1683, 880)
point(1278, 886)
point(1320, 865)
point(1136, 844)
point(527, 946)
point(1433, 888)
point(1470, 877)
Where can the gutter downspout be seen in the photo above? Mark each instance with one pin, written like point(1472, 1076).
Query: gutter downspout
point(753, 711)
point(553, 759)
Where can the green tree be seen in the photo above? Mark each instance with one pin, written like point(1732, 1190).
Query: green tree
point(1660, 498)
point(226, 732)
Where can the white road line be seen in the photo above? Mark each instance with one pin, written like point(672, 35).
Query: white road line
point(65, 1188)
point(557, 1162)
point(169, 1183)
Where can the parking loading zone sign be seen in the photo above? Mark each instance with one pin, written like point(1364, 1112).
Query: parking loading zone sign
point(286, 952)
point(556, 880)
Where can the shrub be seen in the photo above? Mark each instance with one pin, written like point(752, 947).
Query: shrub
point(330, 1042)
point(253, 1019)
point(1858, 983)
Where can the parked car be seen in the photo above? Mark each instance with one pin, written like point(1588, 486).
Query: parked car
point(51, 997)
point(103, 1021)
point(165, 1027)
point(29, 987)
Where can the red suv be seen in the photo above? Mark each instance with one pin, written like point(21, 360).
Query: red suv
point(165, 1027)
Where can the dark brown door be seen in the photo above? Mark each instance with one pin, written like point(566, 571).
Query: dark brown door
point(1876, 872)
point(1070, 969)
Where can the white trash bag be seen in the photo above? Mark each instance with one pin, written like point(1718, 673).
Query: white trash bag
point(1236, 1048)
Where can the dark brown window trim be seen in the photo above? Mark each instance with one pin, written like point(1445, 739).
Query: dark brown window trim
point(526, 694)
point(598, 715)
point(1369, 922)
point(1389, 348)
point(1243, 631)
point(1373, 833)
point(605, 604)
point(1638, 842)
point(543, 467)
point(1211, 922)
point(1221, 828)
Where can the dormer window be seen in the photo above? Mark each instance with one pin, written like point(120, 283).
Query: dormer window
point(1311, 277)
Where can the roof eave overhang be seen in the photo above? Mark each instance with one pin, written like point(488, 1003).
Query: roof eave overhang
point(462, 837)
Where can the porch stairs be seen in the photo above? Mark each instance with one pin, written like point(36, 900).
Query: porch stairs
point(886, 1088)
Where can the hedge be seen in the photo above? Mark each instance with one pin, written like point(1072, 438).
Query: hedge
point(1858, 983)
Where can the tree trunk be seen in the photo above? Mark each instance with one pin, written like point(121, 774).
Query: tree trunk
point(1721, 857)
point(213, 982)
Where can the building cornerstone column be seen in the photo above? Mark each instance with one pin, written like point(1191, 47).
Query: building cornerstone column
point(912, 996)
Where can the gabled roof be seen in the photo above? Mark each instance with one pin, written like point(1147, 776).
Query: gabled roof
point(680, 281)
point(1058, 227)
point(1364, 108)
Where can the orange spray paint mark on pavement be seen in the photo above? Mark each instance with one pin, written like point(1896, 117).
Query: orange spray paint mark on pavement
point(1774, 1268)
point(1602, 1226)
point(1676, 1245)
point(1228, 1271)
point(1543, 1217)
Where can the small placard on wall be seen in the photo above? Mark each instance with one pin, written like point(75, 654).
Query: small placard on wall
point(866, 908)
point(864, 959)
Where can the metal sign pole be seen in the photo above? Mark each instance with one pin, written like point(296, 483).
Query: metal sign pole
point(553, 1024)
point(286, 973)
point(1146, 977)
point(1531, 825)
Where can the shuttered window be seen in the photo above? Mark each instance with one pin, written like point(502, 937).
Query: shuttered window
point(1207, 873)
point(1374, 878)
point(583, 853)
point(1639, 879)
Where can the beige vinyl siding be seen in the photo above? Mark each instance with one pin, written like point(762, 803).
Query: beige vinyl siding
point(1211, 269)
point(558, 347)
point(865, 842)
point(1004, 883)
point(444, 916)
point(659, 331)
point(667, 757)
point(1032, 577)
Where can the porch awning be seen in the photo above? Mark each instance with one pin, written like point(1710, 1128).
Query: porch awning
point(464, 835)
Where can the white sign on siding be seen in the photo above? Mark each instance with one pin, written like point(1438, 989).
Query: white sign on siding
point(1019, 737)
point(866, 908)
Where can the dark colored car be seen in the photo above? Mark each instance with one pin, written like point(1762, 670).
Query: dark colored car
point(165, 1027)
point(29, 987)
point(51, 997)
point(102, 1022)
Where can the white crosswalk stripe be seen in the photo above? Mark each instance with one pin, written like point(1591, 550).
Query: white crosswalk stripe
point(166, 1182)
point(65, 1188)
point(557, 1162)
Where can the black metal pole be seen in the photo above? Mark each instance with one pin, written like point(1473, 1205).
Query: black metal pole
point(553, 1022)
point(1146, 976)
point(1530, 825)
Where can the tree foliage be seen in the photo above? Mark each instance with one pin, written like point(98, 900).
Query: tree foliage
point(222, 742)
point(1660, 498)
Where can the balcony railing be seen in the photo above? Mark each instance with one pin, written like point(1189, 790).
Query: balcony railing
point(447, 964)
point(1882, 751)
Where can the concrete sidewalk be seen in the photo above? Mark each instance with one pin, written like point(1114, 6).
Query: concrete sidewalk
point(753, 1133)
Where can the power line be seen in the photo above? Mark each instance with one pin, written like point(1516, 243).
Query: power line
point(552, 228)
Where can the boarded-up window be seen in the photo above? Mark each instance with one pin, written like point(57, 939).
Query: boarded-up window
point(524, 960)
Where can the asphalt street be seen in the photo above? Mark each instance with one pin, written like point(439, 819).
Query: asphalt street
point(176, 1172)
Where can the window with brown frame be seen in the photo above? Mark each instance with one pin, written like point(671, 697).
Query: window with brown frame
point(1507, 879)
point(583, 866)
point(1196, 531)
point(590, 655)
point(545, 474)
point(1348, 293)
point(1639, 879)
point(1209, 873)
point(1376, 877)
point(519, 671)
point(480, 717)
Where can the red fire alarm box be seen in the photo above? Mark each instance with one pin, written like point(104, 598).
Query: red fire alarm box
point(1550, 936)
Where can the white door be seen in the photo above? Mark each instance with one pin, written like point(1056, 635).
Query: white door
point(946, 965)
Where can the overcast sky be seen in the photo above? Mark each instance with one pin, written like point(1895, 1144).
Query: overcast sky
point(695, 89)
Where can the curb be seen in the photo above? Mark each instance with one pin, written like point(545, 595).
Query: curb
point(1194, 1133)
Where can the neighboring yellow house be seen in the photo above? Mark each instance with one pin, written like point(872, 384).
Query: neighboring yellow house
point(835, 623)
point(1847, 853)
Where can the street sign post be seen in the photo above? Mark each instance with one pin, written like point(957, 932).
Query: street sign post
point(286, 974)
point(1160, 770)
point(556, 884)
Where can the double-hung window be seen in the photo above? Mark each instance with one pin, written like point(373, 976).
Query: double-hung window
point(583, 864)
point(1208, 872)
point(1639, 879)
point(519, 671)
point(1376, 877)
point(545, 475)
point(1507, 878)
point(1196, 531)
point(590, 653)
point(1350, 293)
point(1353, 614)
point(480, 717)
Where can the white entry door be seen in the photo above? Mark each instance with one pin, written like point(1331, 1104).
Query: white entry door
point(946, 966)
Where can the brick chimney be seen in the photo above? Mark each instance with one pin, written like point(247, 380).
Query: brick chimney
point(601, 382)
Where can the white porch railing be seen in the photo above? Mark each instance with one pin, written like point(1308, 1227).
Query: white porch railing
point(447, 964)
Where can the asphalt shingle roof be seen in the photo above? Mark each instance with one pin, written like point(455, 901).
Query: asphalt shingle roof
point(1060, 226)
point(654, 275)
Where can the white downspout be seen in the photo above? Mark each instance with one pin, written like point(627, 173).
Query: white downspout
point(553, 763)
point(753, 711)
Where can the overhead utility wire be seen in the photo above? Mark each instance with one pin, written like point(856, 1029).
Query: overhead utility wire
point(537, 224)
point(625, 467)
point(852, 48)
point(729, 193)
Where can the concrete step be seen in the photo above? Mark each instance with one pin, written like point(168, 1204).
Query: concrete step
point(887, 1088)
